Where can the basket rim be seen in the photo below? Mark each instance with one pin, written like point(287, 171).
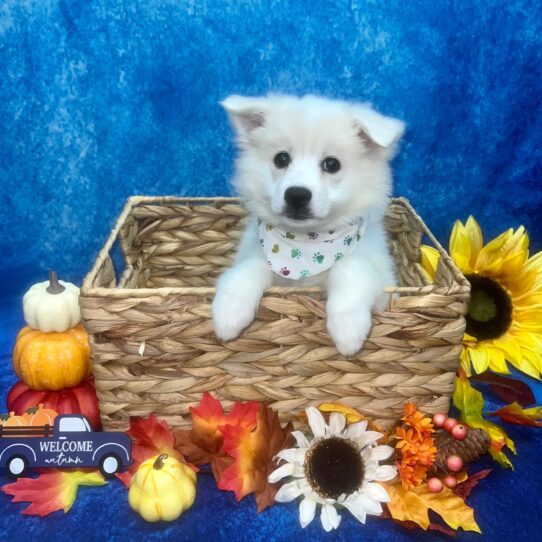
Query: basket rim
point(461, 286)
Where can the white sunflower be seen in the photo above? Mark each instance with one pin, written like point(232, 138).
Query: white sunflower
point(339, 467)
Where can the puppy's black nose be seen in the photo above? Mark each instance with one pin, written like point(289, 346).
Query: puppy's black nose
point(297, 196)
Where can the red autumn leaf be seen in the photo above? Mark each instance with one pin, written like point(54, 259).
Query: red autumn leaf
point(506, 388)
point(203, 443)
point(52, 490)
point(465, 488)
point(150, 436)
point(411, 525)
point(253, 452)
point(516, 415)
point(443, 529)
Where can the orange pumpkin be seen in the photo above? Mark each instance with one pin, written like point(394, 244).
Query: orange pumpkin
point(14, 421)
point(54, 360)
point(40, 416)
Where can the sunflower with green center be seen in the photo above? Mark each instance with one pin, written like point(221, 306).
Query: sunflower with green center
point(504, 317)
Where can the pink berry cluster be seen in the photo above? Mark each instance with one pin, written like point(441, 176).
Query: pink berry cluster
point(454, 463)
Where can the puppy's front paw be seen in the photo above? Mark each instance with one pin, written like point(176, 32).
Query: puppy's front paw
point(232, 312)
point(349, 329)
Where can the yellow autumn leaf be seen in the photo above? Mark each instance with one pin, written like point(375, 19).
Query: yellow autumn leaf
point(414, 505)
point(470, 403)
point(351, 414)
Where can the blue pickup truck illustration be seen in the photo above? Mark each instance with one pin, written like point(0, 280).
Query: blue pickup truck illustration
point(69, 443)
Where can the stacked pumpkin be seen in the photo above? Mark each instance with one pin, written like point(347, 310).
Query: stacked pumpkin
point(52, 355)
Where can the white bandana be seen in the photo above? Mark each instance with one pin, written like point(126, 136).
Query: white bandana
point(301, 255)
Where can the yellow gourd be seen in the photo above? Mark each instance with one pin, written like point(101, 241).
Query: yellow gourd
point(162, 488)
point(52, 361)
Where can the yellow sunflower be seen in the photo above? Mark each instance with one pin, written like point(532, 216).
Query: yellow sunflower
point(504, 317)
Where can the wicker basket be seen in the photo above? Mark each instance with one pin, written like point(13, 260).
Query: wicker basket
point(152, 340)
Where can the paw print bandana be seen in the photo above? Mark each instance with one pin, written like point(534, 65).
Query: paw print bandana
point(301, 255)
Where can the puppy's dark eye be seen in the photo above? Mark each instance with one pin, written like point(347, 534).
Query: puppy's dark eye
point(282, 160)
point(331, 165)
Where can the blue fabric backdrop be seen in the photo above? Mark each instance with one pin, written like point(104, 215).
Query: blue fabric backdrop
point(101, 100)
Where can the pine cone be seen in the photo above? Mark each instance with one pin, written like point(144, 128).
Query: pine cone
point(471, 448)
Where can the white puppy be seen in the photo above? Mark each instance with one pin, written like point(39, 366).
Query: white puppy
point(314, 175)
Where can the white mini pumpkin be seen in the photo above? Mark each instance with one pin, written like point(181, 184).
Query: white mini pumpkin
point(52, 305)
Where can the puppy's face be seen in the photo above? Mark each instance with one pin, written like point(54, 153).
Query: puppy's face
point(311, 163)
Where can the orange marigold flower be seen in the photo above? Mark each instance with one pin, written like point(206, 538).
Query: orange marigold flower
point(415, 419)
point(406, 440)
point(411, 475)
point(415, 445)
point(410, 409)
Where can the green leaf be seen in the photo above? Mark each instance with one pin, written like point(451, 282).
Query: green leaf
point(470, 403)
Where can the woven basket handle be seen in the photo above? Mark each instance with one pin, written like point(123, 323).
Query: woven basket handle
point(103, 272)
point(447, 274)
point(448, 278)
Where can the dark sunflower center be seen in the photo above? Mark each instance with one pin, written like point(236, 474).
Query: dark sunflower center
point(490, 309)
point(334, 466)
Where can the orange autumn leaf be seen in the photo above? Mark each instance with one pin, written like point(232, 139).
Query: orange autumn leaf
point(414, 505)
point(150, 436)
point(52, 490)
point(203, 443)
point(254, 452)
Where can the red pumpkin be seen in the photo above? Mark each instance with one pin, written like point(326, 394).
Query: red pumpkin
point(80, 399)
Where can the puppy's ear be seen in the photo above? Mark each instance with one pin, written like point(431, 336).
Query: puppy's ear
point(376, 128)
point(246, 114)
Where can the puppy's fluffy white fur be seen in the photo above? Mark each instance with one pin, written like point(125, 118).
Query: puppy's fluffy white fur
point(310, 129)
